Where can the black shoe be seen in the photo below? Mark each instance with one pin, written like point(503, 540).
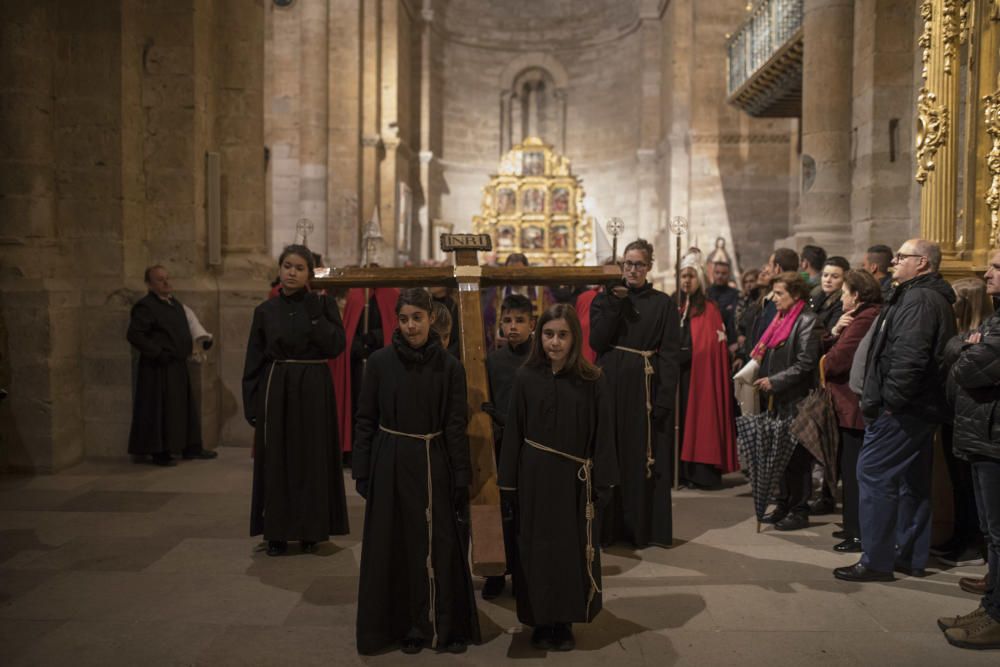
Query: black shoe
point(859, 572)
point(309, 547)
point(493, 587)
point(276, 547)
point(822, 506)
point(948, 546)
point(562, 637)
point(541, 638)
point(918, 572)
point(774, 516)
point(200, 454)
point(851, 545)
point(962, 557)
point(793, 522)
point(411, 646)
point(841, 534)
point(165, 461)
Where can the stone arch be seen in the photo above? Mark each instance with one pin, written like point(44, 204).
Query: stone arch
point(533, 101)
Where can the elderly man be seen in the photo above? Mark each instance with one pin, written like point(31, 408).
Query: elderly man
point(165, 420)
point(903, 403)
point(975, 379)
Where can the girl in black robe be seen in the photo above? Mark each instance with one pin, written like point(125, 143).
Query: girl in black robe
point(411, 463)
point(635, 331)
point(557, 462)
point(298, 484)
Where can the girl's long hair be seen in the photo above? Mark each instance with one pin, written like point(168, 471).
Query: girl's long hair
point(576, 363)
point(973, 305)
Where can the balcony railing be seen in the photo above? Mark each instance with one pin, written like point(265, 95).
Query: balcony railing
point(763, 56)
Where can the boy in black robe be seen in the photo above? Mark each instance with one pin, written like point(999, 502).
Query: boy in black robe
point(635, 331)
point(165, 419)
point(517, 321)
point(557, 464)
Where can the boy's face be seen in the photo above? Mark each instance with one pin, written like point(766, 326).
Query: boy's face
point(516, 326)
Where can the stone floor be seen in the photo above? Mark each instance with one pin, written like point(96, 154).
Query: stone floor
point(122, 564)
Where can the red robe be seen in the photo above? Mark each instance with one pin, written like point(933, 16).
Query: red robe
point(709, 428)
point(583, 312)
point(340, 366)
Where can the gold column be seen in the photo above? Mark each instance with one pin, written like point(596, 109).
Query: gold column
point(987, 153)
point(937, 105)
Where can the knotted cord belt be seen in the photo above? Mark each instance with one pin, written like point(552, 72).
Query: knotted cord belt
point(267, 390)
point(584, 476)
point(648, 385)
point(429, 515)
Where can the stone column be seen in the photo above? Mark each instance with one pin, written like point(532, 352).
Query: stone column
point(313, 118)
point(828, 31)
point(650, 40)
point(937, 122)
point(426, 155)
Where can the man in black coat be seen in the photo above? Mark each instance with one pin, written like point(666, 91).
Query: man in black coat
point(903, 402)
point(975, 380)
point(165, 420)
point(724, 296)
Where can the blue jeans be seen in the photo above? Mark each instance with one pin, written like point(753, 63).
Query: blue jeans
point(986, 482)
point(894, 492)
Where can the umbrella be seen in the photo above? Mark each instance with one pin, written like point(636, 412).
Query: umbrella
point(765, 445)
point(815, 427)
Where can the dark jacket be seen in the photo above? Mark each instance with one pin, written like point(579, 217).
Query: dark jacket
point(791, 366)
point(828, 308)
point(975, 378)
point(837, 366)
point(906, 369)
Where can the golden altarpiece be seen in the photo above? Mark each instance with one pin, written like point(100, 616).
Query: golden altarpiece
point(958, 131)
point(534, 205)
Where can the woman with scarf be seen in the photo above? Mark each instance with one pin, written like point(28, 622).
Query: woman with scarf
point(708, 440)
point(788, 354)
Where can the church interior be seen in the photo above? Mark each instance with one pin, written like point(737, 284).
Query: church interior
point(206, 135)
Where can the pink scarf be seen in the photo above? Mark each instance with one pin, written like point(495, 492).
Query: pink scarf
point(777, 331)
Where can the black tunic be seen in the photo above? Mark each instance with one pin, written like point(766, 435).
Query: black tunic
point(645, 320)
point(501, 367)
point(415, 392)
point(164, 416)
point(574, 416)
point(298, 484)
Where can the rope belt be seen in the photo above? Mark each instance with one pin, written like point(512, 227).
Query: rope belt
point(647, 384)
point(270, 374)
point(586, 465)
point(429, 515)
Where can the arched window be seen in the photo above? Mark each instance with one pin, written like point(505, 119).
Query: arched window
point(533, 102)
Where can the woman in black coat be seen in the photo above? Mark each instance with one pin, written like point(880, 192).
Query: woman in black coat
point(298, 483)
point(789, 357)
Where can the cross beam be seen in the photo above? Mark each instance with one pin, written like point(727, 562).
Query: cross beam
point(469, 277)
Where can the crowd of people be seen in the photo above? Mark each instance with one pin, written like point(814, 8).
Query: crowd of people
point(592, 391)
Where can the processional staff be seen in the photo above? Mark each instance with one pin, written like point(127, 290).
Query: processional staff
point(678, 226)
point(372, 236)
point(615, 227)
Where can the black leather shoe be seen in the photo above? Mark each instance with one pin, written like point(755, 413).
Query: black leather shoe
point(276, 547)
point(793, 522)
point(455, 646)
point(309, 547)
point(200, 454)
point(859, 572)
point(851, 545)
point(918, 572)
point(822, 506)
point(774, 516)
point(541, 637)
point(841, 534)
point(493, 587)
point(411, 646)
point(562, 637)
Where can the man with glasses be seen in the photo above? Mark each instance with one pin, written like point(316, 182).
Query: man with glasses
point(903, 402)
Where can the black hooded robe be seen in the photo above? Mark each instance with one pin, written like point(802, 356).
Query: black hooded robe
point(646, 319)
point(298, 483)
point(418, 392)
point(567, 413)
point(165, 419)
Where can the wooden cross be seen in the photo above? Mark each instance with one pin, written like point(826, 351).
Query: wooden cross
point(487, 536)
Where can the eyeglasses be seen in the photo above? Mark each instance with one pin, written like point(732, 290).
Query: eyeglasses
point(900, 257)
point(637, 266)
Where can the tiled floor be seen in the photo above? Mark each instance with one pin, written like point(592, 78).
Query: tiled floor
point(122, 564)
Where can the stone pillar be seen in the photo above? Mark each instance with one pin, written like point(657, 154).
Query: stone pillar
point(371, 139)
point(937, 123)
point(426, 155)
point(313, 118)
point(650, 40)
point(825, 207)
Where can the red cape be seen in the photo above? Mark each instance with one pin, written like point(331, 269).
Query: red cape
point(583, 312)
point(340, 366)
point(709, 429)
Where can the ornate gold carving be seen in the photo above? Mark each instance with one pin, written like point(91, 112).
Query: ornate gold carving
point(950, 31)
point(924, 41)
point(992, 118)
point(995, 10)
point(534, 205)
point(932, 132)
